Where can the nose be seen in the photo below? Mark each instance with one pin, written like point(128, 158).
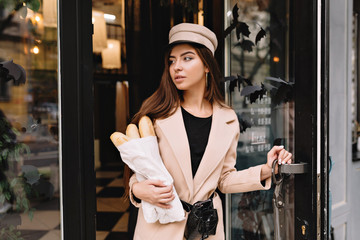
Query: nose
point(177, 66)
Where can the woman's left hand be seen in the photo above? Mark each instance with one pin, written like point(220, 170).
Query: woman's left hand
point(279, 153)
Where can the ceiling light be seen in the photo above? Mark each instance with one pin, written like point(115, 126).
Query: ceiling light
point(109, 17)
point(276, 59)
point(35, 50)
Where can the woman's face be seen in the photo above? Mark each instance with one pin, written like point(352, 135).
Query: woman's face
point(186, 68)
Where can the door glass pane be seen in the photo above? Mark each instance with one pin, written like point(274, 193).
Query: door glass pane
point(260, 92)
point(29, 142)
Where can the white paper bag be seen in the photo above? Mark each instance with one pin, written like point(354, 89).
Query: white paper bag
point(143, 157)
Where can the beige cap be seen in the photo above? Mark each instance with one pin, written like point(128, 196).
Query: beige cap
point(190, 32)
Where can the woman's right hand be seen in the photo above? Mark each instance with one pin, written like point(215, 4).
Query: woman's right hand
point(154, 192)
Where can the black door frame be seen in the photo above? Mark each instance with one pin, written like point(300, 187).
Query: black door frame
point(77, 145)
point(77, 137)
point(311, 189)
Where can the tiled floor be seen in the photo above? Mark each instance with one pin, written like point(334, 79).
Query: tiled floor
point(112, 208)
point(112, 211)
point(45, 224)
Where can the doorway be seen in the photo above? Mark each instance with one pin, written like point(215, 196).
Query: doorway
point(292, 53)
point(111, 113)
point(277, 84)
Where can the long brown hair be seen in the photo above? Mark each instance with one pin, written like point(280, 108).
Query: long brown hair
point(167, 98)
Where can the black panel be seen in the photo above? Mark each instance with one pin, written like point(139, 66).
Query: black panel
point(78, 177)
point(303, 69)
point(105, 97)
point(214, 20)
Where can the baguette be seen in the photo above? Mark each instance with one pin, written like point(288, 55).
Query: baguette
point(146, 127)
point(119, 138)
point(132, 131)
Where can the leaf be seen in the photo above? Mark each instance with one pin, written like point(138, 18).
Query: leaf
point(269, 87)
point(244, 124)
point(14, 71)
point(242, 79)
point(231, 78)
point(279, 80)
point(13, 182)
point(257, 94)
point(31, 213)
point(260, 35)
point(283, 94)
point(25, 203)
point(232, 86)
point(249, 90)
point(7, 195)
point(246, 45)
point(2, 198)
point(254, 92)
point(229, 29)
point(242, 28)
point(33, 5)
point(236, 81)
point(31, 174)
point(235, 13)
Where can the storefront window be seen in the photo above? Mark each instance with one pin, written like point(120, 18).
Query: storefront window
point(29, 121)
point(261, 93)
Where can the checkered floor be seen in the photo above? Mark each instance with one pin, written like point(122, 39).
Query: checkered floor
point(45, 224)
point(112, 209)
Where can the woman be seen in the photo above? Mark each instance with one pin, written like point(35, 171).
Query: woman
point(197, 135)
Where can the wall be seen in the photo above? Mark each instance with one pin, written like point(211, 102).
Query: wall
point(345, 175)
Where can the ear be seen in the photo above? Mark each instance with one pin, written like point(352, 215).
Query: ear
point(206, 70)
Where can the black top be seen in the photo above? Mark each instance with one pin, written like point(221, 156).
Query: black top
point(197, 130)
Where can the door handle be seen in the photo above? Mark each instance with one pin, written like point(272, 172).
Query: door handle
point(294, 168)
point(278, 199)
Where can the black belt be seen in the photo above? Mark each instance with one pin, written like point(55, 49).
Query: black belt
point(187, 206)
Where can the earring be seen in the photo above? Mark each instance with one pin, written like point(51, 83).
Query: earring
point(206, 79)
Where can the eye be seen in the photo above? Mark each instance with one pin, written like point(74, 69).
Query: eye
point(171, 61)
point(187, 58)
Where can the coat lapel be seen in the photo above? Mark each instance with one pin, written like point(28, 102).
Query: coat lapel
point(173, 129)
point(219, 140)
point(218, 144)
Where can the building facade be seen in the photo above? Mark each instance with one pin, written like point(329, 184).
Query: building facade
point(73, 72)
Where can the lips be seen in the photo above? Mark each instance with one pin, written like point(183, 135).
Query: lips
point(179, 78)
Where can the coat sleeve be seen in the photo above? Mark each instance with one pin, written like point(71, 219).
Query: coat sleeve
point(233, 181)
point(133, 180)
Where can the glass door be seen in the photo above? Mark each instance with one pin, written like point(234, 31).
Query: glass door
point(270, 47)
point(29, 121)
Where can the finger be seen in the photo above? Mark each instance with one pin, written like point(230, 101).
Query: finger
point(275, 149)
point(166, 195)
point(167, 189)
point(281, 156)
point(156, 183)
point(167, 200)
point(288, 158)
point(285, 157)
point(163, 190)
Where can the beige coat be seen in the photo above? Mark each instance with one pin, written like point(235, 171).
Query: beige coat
point(216, 170)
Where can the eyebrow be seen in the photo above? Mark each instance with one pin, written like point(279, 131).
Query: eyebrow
point(184, 54)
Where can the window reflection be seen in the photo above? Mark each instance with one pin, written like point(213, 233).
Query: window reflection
point(29, 161)
point(261, 93)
